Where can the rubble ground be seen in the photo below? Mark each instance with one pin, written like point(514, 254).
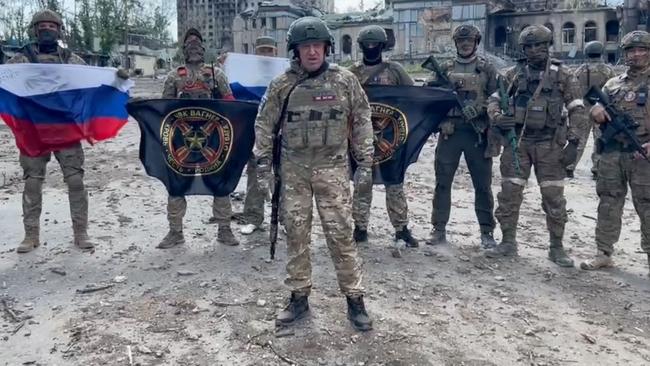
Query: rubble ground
point(127, 303)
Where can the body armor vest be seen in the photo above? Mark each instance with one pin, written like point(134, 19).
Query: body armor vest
point(60, 57)
point(592, 74)
point(314, 117)
point(469, 82)
point(194, 84)
point(544, 111)
point(632, 98)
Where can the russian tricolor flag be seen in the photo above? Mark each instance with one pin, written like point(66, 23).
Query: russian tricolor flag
point(250, 75)
point(53, 106)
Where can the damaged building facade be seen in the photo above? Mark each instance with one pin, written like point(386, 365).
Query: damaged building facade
point(417, 28)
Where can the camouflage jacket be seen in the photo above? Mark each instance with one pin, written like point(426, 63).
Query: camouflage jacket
point(384, 73)
point(196, 83)
point(62, 56)
point(326, 115)
point(629, 93)
point(542, 114)
point(593, 73)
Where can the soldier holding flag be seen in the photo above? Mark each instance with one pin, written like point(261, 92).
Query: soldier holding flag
point(196, 80)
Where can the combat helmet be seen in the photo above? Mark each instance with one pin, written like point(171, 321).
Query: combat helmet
point(594, 49)
point(372, 34)
point(467, 31)
point(636, 38)
point(46, 15)
point(535, 34)
point(308, 29)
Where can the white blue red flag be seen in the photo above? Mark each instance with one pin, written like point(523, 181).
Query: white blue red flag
point(53, 106)
point(250, 75)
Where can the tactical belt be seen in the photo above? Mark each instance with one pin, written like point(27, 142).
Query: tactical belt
point(545, 133)
point(614, 146)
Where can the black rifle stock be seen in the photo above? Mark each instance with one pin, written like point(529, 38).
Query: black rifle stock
point(620, 122)
point(432, 64)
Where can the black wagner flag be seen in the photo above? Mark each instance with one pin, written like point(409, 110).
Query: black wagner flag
point(403, 118)
point(195, 146)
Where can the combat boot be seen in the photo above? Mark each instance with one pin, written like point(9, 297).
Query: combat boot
point(225, 236)
point(81, 239)
point(357, 313)
point(600, 260)
point(438, 236)
point(360, 235)
point(298, 307)
point(557, 254)
point(405, 235)
point(30, 242)
point(487, 240)
point(507, 247)
point(172, 239)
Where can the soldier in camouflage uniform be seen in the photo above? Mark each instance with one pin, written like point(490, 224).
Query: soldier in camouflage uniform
point(540, 88)
point(465, 132)
point(195, 80)
point(373, 70)
point(46, 26)
point(592, 73)
point(322, 112)
point(255, 197)
point(620, 165)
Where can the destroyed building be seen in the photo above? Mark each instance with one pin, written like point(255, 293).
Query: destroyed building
point(417, 28)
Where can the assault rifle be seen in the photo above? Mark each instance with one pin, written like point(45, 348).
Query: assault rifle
point(620, 122)
point(511, 135)
point(432, 64)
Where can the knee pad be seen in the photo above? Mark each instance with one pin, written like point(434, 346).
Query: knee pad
point(75, 182)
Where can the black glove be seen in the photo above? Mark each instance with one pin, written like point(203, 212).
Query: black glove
point(570, 153)
point(505, 122)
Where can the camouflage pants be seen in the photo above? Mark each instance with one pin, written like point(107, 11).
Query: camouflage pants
point(544, 157)
point(254, 201)
point(395, 204)
point(448, 152)
point(330, 188)
point(177, 206)
point(585, 126)
point(71, 161)
point(617, 171)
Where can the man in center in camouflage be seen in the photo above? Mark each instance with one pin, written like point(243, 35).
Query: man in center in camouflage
point(322, 113)
point(539, 87)
point(196, 80)
point(373, 70)
point(465, 132)
point(594, 72)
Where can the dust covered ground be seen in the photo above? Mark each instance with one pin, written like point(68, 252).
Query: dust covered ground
point(202, 304)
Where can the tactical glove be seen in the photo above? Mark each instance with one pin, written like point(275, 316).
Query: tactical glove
point(505, 122)
point(363, 179)
point(469, 112)
point(570, 153)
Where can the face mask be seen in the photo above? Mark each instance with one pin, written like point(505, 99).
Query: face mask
point(371, 54)
point(536, 56)
point(193, 51)
point(47, 37)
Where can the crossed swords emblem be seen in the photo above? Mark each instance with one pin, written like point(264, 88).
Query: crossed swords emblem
point(196, 141)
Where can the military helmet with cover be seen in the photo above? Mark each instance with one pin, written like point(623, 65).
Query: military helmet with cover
point(636, 38)
point(594, 49)
point(46, 15)
point(467, 31)
point(308, 29)
point(372, 34)
point(535, 34)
